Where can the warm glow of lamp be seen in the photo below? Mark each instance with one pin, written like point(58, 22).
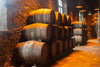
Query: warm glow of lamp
point(78, 6)
point(96, 9)
point(89, 13)
point(83, 10)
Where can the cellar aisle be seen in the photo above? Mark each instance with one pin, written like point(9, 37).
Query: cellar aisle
point(82, 56)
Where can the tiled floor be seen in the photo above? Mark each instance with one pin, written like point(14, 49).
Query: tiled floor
point(83, 56)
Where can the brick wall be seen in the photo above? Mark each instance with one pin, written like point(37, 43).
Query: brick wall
point(17, 14)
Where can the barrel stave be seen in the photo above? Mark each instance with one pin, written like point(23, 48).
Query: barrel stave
point(38, 31)
point(46, 16)
point(58, 19)
point(64, 20)
point(33, 52)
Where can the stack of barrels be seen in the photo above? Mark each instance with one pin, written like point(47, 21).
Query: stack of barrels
point(46, 36)
point(77, 32)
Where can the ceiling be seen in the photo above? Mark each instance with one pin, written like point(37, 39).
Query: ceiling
point(88, 5)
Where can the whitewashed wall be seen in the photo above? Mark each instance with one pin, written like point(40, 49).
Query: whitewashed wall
point(3, 15)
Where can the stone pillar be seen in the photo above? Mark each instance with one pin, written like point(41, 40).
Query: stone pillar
point(98, 34)
point(3, 15)
point(64, 2)
point(81, 16)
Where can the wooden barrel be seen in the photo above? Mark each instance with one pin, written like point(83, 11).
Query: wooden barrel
point(68, 20)
point(39, 15)
point(70, 44)
point(38, 31)
point(58, 18)
point(53, 49)
point(78, 39)
point(77, 31)
point(55, 32)
point(65, 44)
point(31, 19)
point(70, 31)
point(59, 47)
point(43, 16)
point(33, 52)
point(60, 33)
point(77, 25)
point(66, 32)
point(64, 20)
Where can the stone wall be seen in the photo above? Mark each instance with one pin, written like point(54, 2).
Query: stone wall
point(17, 14)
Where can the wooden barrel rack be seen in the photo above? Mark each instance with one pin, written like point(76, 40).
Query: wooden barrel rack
point(47, 37)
